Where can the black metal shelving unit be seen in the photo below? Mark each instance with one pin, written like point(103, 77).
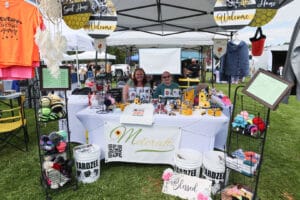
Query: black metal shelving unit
point(42, 130)
point(245, 145)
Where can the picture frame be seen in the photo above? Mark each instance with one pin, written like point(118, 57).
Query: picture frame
point(49, 82)
point(267, 88)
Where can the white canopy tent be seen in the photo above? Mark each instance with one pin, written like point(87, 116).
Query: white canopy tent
point(142, 39)
point(77, 40)
point(91, 55)
point(168, 15)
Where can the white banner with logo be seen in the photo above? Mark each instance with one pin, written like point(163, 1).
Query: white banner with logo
point(140, 144)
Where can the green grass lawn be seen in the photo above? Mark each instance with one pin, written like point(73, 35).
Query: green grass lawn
point(280, 177)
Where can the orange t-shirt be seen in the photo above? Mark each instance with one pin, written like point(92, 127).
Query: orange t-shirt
point(18, 24)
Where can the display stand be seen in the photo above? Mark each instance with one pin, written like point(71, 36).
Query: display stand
point(248, 130)
point(245, 146)
point(56, 163)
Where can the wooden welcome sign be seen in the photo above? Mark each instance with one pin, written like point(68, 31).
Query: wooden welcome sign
point(265, 12)
point(234, 14)
point(103, 20)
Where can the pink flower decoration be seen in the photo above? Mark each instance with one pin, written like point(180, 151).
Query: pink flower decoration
point(168, 173)
point(226, 100)
point(245, 114)
point(201, 196)
point(167, 176)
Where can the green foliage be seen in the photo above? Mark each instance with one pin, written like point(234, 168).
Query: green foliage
point(120, 54)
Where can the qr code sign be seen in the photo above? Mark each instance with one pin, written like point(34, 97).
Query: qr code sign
point(114, 150)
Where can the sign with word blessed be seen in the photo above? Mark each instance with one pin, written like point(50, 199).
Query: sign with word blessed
point(140, 144)
point(187, 187)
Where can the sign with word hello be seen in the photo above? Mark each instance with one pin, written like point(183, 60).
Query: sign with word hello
point(234, 14)
point(187, 187)
point(140, 144)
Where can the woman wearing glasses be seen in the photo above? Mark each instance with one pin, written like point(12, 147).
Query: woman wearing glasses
point(138, 86)
point(167, 87)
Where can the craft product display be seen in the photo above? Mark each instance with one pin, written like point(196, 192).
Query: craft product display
point(245, 147)
point(54, 147)
point(51, 108)
point(236, 192)
point(56, 166)
point(180, 128)
point(245, 162)
point(248, 124)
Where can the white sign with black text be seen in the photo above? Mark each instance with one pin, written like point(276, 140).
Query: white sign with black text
point(187, 187)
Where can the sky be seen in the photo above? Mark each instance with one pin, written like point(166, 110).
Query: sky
point(279, 29)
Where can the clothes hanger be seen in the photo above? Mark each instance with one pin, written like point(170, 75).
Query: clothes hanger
point(6, 4)
point(235, 39)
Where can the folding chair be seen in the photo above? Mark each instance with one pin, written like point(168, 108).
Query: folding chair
point(12, 123)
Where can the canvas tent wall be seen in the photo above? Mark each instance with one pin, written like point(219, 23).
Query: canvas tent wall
point(135, 40)
point(145, 40)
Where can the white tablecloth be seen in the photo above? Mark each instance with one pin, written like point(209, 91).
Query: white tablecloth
point(75, 104)
point(198, 132)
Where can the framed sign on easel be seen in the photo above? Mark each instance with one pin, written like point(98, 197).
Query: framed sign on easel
point(49, 82)
point(267, 88)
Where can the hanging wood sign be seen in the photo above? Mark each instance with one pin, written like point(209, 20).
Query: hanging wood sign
point(76, 14)
point(103, 20)
point(265, 12)
point(234, 14)
point(220, 47)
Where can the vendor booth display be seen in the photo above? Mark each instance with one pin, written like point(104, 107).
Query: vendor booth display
point(54, 149)
point(248, 130)
point(200, 130)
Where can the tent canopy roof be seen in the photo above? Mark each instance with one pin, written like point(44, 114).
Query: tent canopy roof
point(168, 15)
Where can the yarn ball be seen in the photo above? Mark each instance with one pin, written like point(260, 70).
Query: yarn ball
point(259, 123)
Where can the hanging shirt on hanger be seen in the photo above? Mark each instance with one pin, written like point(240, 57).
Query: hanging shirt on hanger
point(236, 60)
point(18, 23)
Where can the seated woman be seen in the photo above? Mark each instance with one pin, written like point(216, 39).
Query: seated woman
point(138, 86)
point(167, 86)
